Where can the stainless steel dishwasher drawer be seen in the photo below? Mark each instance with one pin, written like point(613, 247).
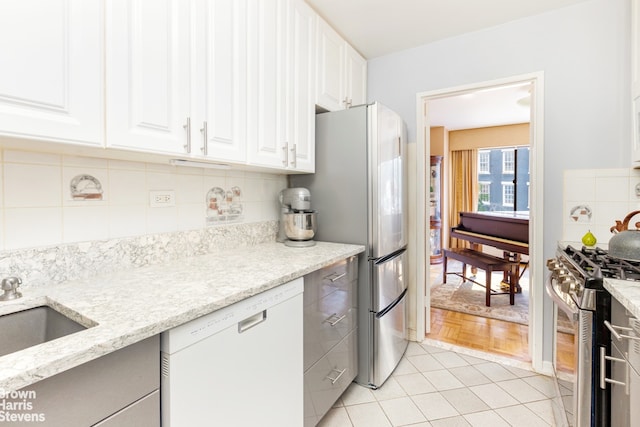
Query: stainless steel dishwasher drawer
point(325, 381)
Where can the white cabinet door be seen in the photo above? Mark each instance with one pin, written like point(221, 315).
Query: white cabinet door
point(635, 48)
point(330, 84)
point(148, 75)
point(635, 81)
point(51, 80)
point(267, 84)
point(302, 115)
point(219, 87)
point(341, 80)
point(635, 134)
point(356, 77)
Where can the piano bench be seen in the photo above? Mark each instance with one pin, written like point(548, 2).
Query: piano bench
point(486, 262)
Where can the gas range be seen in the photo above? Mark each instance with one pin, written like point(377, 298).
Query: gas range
point(576, 285)
point(577, 273)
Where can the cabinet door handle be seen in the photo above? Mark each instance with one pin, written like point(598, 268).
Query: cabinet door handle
point(335, 277)
point(250, 322)
point(333, 316)
point(294, 154)
point(205, 138)
point(285, 151)
point(187, 127)
point(337, 377)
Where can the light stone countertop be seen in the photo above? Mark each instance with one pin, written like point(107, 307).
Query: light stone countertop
point(132, 305)
point(627, 292)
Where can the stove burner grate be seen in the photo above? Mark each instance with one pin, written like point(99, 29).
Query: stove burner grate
point(596, 263)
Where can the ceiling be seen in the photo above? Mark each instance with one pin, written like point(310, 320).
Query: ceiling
point(505, 105)
point(380, 27)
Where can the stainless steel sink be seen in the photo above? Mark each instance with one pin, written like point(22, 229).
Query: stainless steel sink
point(34, 326)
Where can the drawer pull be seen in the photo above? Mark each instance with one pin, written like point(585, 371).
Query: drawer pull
point(335, 277)
point(333, 316)
point(334, 380)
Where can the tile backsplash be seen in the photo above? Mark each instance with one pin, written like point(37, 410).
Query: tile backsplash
point(606, 194)
point(37, 207)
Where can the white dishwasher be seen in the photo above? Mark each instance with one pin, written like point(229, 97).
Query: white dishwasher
point(238, 366)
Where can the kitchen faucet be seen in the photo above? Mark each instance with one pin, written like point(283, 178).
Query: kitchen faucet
point(10, 287)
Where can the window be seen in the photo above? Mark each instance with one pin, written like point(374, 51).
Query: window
point(484, 193)
point(499, 167)
point(508, 161)
point(507, 193)
point(483, 161)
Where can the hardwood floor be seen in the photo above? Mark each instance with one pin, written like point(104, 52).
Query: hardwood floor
point(494, 336)
point(480, 333)
point(491, 335)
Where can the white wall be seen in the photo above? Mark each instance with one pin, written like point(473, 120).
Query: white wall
point(36, 207)
point(583, 51)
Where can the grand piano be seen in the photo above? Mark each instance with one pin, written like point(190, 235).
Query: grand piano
point(506, 231)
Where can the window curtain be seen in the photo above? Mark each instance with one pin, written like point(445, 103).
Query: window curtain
point(463, 195)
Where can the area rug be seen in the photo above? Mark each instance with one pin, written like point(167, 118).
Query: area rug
point(469, 298)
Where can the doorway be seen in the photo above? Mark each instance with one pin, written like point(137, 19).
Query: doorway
point(423, 151)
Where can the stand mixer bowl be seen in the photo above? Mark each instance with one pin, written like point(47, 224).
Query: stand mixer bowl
point(300, 226)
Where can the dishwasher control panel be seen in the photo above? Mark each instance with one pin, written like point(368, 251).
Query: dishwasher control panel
point(198, 329)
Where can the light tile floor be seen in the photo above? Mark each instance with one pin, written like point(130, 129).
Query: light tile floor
point(438, 387)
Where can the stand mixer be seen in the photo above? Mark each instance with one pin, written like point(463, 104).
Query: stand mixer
point(297, 221)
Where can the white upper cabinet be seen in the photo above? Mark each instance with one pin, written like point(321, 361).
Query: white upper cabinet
point(267, 83)
point(51, 78)
point(635, 48)
point(302, 115)
point(280, 78)
point(341, 79)
point(635, 81)
point(330, 78)
point(356, 78)
point(219, 89)
point(147, 73)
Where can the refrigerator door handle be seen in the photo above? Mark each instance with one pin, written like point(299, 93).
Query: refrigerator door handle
point(390, 257)
point(392, 305)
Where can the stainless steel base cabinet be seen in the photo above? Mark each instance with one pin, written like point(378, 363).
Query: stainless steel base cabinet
point(330, 336)
point(118, 389)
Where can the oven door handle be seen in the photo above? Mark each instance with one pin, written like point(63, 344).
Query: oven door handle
point(569, 307)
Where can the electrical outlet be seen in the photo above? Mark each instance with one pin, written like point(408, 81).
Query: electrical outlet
point(162, 199)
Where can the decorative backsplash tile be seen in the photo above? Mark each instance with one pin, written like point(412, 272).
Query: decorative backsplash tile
point(85, 187)
point(581, 213)
point(224, 206)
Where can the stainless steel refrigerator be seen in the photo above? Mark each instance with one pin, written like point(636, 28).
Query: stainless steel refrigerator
point(359, 191)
